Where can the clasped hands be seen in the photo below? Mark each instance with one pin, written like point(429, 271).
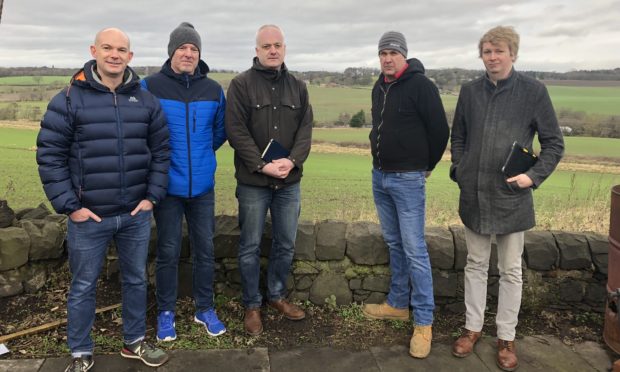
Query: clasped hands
point(279, 168)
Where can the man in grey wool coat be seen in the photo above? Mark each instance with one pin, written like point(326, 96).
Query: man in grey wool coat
point(492, 112)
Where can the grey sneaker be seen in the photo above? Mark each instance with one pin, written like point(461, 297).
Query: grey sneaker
point(148, 354)
point(81, 364)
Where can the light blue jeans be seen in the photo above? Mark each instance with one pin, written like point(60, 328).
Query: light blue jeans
point(87, 243)
point(284, 206)
point(400, 201)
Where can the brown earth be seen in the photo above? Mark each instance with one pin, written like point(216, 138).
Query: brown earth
point(341, 327)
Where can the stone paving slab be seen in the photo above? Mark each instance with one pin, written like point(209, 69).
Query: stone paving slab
point(396, 358)
point(21, 365)
point(597, 355)
point(322, 359)
point(536, 353)
point(180, 360)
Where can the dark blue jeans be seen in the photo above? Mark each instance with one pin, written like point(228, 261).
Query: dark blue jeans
point(199, 213)
point(400, 200)
point(284, 206)
point(87, 243)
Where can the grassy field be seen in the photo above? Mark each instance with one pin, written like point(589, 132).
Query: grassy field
point(575, 146)
point(34, 80)
point(329, 102)
point(337, 186)
point(592, 100)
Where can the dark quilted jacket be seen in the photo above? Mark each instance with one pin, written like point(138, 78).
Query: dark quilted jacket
point(103, 150)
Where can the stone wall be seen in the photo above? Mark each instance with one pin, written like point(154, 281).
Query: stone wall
point(336, 262)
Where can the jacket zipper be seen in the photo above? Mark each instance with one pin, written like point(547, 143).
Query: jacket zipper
point(385, 93)
point(121, 158)
point(194, 118)
point(189, 148)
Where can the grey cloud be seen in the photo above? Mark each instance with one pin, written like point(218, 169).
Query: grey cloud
point(320, 34)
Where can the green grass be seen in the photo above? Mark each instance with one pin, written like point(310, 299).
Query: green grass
point(575, 146)
point(338, 186)
point(329, 102)
point(592, 100)
point(34, 80)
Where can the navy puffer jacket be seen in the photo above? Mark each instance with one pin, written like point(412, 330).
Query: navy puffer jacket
point(103, 150)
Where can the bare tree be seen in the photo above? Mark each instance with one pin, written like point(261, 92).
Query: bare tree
point(1, 3)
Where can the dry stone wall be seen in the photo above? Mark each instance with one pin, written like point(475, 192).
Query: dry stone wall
point(334, 261)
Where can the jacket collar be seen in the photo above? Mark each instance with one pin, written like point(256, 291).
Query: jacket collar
point(88, 77)
point(267, 73)
point(199, 73)
point(504, 83)
point(414, 67)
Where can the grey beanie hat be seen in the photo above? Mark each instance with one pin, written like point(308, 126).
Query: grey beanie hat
point(184, 34)
point(393, 40)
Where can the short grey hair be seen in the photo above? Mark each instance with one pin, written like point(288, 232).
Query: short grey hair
point(261, 28)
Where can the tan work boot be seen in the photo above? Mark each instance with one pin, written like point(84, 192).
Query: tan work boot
point(420, 345)
point(384, 312)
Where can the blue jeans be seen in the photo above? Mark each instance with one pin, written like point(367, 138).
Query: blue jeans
point(87, 243)
point(400, 201)
point(200, 215)
point(284, 206)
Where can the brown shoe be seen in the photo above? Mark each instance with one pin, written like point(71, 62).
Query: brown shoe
point(506, 355)
point(289, 310)
point(384, 312)
point(464, 345)
point(252, 323)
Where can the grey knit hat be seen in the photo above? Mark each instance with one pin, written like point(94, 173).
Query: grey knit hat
point(393, 40)
point(184, 34)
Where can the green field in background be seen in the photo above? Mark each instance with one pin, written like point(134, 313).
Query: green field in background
point(575, 146)
point(335, 186)
point(592, 100)
point(329, 102)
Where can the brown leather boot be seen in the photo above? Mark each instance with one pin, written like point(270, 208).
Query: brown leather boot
point(289, 310)
point(507, 355)
point(464, 345)
point(252, 323)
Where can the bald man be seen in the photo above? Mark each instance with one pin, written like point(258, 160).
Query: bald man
point(267, 103)
point(103, 161)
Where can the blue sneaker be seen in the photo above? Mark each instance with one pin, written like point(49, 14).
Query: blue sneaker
point(212, 324)
point(165, 326)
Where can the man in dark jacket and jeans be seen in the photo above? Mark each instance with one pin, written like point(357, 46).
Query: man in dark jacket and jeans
point(264, 103)
point(194, 106)
point(103, 160)
point(493, 112)
point(408, 137)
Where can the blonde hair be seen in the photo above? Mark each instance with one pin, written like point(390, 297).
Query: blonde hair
point(498, 34)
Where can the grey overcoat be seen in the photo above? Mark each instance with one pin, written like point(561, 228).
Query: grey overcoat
point(488, 119)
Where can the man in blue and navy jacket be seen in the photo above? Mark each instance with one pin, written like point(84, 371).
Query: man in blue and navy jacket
point(194, 106)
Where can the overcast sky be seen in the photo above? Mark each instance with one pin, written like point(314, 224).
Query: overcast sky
point(556, 35)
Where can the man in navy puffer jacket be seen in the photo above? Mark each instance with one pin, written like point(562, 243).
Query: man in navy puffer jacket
point(103, 160)
point(194, 106)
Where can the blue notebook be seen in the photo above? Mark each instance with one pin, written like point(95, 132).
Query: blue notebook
point(274, 150)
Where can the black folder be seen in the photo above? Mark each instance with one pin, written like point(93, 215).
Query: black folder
point(520, 160)
point(274, 150)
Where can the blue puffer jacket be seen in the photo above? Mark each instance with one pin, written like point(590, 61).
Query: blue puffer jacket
point(103, 150)
point(194, 106)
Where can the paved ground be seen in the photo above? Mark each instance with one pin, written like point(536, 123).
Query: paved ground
point(536, 353)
